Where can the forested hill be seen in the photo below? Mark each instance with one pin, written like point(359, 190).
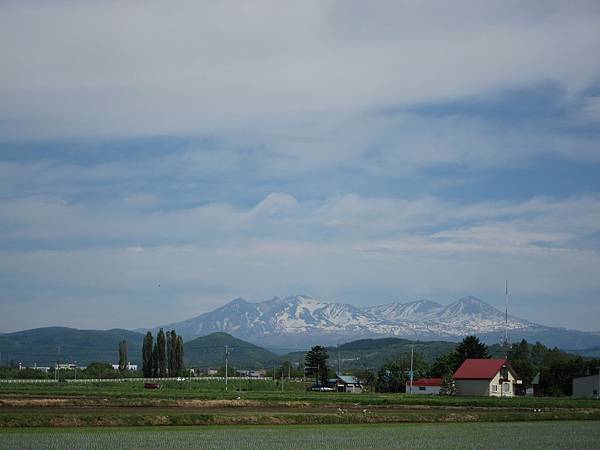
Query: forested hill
point(47, 346)
point(209, 351)
point(372, 353)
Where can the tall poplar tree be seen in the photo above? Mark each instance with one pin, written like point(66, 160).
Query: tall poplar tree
point(170, 353)
point(147, 348)
point(161, 344)
point(179, 367)
point(122, 355)
point(155, 371)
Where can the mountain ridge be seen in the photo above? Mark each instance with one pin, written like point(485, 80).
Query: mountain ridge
point(301, 320)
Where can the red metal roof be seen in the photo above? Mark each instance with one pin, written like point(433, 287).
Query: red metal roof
point(481, 369)
point(426, 382)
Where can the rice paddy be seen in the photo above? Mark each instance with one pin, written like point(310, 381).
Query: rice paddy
point(538, 435)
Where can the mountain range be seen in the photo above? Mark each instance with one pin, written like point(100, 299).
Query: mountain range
point(298, 321)
point(261, 332)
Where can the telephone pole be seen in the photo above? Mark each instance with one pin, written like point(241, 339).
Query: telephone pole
point(338, 360)
point(412, 350)
point(226, 365)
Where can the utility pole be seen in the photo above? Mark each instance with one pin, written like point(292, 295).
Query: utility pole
point(598, 391)
point(506, 343)
point(338, 355)
point(281, 378)
point(226, 365)
point(412, 350)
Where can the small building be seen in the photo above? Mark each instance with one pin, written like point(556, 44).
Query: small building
point(128, 366)
point(429, 386)
point(252, 373)
point(588, 387)
point(66, 366)
point(346, 383)
point(486, 377)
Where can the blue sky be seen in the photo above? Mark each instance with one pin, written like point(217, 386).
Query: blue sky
point(362, 155)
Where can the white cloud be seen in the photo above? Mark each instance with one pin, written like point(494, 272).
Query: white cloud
point(404, 248)
point(123, 68)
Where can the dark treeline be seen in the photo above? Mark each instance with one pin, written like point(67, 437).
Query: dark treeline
point(552, 369)
point(163, 358)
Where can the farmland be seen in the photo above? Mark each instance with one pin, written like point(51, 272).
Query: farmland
point(260, 402)
point(266, 392)
point(539, 435)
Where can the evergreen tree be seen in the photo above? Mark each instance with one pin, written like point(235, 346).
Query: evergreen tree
point(470, 348)
point(147, 353)
point(122, 355)
point(161, 344)
point(316, 363)
point(519, 357)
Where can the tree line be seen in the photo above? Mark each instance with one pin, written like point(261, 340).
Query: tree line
point(555, 369)
point(163, 357)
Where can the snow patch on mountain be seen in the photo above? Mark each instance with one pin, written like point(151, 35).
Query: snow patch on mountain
point(301, 314)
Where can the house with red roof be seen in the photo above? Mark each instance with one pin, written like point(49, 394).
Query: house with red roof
point(425, 386)
point(486, 377)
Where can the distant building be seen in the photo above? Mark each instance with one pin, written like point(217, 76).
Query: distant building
point(66, 366)
point(345, 383)
point(128, 366)
point(430, 386)
point(486, 377)
point(588, 387)
point(252, 373)
point(211, 372)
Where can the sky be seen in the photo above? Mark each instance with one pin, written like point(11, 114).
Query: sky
point(158, 159)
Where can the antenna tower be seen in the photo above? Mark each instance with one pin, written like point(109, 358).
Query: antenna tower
point(506, 342)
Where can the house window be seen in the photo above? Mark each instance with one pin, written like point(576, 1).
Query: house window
point(494, 388)
point(506, 388)
point(504, 373)
point(421, 388)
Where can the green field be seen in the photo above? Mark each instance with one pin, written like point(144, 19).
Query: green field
point(539, 435)
point(268, 391)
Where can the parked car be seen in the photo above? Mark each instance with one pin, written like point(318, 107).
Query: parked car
point(320, 388)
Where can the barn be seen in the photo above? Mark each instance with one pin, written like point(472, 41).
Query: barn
point(486, 377)
point(425, 386)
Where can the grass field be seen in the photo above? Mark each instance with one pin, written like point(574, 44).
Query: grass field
point(128, 404)
point(539, 435)
point(267, 391)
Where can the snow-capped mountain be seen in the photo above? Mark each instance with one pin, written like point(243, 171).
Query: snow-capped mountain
point(297, 318)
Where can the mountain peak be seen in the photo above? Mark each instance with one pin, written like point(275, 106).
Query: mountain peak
point(471, 299)
point(301, 315)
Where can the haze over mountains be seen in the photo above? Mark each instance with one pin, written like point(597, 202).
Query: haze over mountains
point(300, 321)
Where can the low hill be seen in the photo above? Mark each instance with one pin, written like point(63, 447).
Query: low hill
point(209, 351)
point(592, 352)
point(46, 346)
point(372, 353)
